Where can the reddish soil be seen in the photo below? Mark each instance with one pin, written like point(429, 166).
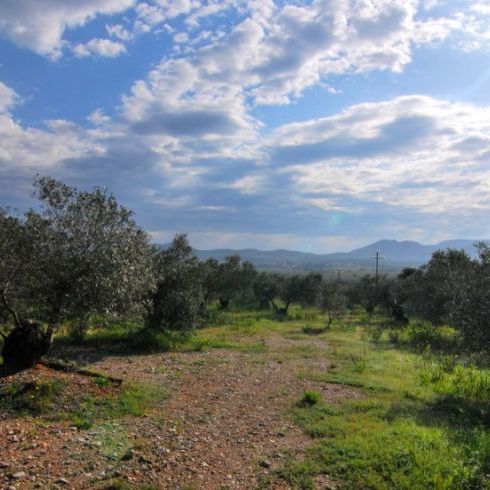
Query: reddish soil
point(226, 424)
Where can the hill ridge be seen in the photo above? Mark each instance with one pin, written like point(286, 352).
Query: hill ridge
point(396, 255)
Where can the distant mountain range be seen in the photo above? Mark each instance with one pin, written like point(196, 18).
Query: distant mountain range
point(395, 255)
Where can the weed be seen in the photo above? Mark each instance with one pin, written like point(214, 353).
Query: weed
point(375, 333)
point(394, 336)
point(33, 398)
point(358, 361)
point(102, 381)
point(309, 398)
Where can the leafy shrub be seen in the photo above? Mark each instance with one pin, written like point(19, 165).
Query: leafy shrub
point(422, 335)
point(102, 381)
point(309, 398)
point(375, 333)
point(394, 336)
point(358, 360)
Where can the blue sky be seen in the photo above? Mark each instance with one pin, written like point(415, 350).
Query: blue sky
point(314, 125)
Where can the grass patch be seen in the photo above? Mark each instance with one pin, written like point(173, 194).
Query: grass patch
point(421, 423)
point(309, 398)
point(202, 343)
point(56, 399)
point(134, 399)
point(33, 398)
point(124, 338)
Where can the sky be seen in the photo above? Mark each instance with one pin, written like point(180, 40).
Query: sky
point(312, 125)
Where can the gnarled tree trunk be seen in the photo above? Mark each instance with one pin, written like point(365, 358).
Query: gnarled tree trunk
point(24, 346)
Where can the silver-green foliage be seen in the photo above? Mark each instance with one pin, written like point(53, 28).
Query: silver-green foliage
point(81, 252)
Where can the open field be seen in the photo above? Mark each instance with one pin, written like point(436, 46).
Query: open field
point(252, 402)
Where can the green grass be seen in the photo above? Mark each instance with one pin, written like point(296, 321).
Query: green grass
point(420, 420)
point(310, 398)
point(31, 398)
point(53, 400)
point(134, 399)
point(124, 337)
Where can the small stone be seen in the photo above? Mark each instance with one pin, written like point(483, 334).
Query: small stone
point(19, 475)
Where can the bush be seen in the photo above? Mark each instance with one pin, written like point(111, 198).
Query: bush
point(394, 336)
point(375, 333)
point(309, 398)
point(422, 335)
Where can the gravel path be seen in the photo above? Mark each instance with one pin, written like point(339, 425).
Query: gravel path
point(225, 425)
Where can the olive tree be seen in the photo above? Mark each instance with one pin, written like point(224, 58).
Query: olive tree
point(229, 280)
point(332, 301)
point(472, 314)
point(80, 253)
point(177, 303)
point(266, 289)
point(303, 289)
point(436, 291)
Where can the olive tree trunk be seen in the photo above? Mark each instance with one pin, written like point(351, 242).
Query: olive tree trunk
point(24, 346)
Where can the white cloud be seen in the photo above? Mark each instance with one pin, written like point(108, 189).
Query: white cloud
point(276, 52)
point(425, 159)
point(40, 25)
point(8, 98)
point(99, 47)
point(98, 118)
point(119, 32)
point(26, 151)
point(181, 37)
point(185, 139)
point(250, 184)
point(199, 103)
point(412, 152)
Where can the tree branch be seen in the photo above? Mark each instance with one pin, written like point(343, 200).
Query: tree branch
point(10, 310)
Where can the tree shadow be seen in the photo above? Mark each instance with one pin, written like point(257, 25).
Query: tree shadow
point(444, 411)
point(137, 342)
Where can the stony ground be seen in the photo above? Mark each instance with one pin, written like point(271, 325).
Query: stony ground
point(225, 423)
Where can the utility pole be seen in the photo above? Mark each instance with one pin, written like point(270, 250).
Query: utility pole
point(378, 257)
point(339, 275)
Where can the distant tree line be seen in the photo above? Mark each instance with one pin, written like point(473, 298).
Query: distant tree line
point(451, 289)
point(81, 253)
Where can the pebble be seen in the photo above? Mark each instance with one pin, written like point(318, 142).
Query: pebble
point(19, 475)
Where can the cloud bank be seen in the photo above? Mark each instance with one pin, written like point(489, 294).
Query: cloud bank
point(186, 148)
